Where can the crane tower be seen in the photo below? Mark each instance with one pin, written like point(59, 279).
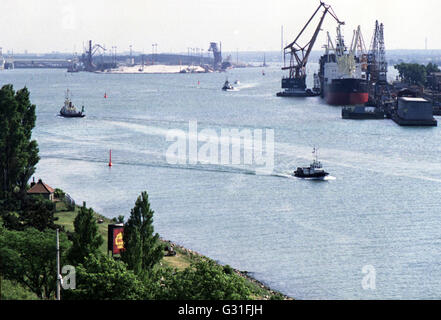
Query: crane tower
point(295, 84)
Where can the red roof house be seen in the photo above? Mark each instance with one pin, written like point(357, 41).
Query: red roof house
point(41, 188)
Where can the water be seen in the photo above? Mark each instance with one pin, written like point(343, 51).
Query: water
point(308, 239)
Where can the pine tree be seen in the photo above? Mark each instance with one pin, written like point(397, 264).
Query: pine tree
point(18, 153)
point(142, 248)
point(86, 240)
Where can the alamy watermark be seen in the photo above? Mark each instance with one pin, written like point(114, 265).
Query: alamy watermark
point(69, 280)
point(227, 147)
point(369, 280)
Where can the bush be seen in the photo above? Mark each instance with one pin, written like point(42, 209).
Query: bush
point(205, 280)
point(103, 278)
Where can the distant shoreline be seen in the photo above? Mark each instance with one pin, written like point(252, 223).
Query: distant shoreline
point(155, 69)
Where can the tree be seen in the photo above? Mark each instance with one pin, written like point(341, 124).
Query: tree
point(18, 153)
point(205, 280)
point(38, 213)
point(142, 249)
point(412, 73)
point(103, 278)
point(86, 239)
point(29, 258)
point(120, 219)
point(431, 68)
point(35, 212)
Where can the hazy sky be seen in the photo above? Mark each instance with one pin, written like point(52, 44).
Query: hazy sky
point(175, 25)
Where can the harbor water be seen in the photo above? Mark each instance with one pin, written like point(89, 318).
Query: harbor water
point(307, 239)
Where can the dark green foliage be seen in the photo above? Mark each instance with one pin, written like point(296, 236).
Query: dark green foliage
point(277, 296)
point(35, 212)
point(11, 290)
point(38, 213)
point(103, 278)
point(86, 239)
point(18, 158)
point(412, 73)
point(431, 68)
point(18, 153)
point(120, 219)
point(205, 280)
point(142, 248)
point(416, 74)
point(29, 258)
point(59, 194)
point(228, 269)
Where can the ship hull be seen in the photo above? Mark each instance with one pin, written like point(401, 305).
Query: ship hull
point(72, 115)
point(345, 99)
point(347, 92)
point(311, 176)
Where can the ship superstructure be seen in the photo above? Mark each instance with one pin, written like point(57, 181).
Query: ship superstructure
point(343, 71)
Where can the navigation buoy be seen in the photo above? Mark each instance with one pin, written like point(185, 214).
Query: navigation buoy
point(199, 82)
point(110, 158)
point(105, 95)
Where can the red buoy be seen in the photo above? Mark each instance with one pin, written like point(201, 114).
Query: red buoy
point(110, 158)
point(105, 95)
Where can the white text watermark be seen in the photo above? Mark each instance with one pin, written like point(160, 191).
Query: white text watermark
point(228, 147)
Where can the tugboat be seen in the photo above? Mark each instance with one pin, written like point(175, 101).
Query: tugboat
point(227, 86)
point(314, 171)
point(69, 110)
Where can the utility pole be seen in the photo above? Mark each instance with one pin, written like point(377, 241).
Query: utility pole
point(282, 47)
point(153, 51)
point(58, 266)
point(237, 56)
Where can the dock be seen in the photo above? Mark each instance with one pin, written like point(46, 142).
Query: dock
point(412, 111)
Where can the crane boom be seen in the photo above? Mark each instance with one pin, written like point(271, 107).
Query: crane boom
point(298, 63)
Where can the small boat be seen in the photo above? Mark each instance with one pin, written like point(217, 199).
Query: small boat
point(227, 86)
point(362, 112)
point(69, 110)
point(314, 171)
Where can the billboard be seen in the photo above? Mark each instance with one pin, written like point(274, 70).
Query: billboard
point(115, 238)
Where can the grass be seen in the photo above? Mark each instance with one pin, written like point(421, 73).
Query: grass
point(11, 290)
point(66, 219)
point(182, 260)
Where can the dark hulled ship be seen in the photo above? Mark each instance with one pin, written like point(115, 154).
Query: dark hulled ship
point(342, 73)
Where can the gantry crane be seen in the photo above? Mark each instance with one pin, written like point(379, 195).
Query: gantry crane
point(88, 56)
point(295, 83)
point(379, 91)
point(217, 54)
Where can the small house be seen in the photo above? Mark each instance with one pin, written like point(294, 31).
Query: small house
point(41, 188)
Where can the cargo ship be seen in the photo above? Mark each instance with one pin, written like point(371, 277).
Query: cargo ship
point(343, 72)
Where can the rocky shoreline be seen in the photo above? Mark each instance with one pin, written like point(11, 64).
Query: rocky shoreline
point(243, 274)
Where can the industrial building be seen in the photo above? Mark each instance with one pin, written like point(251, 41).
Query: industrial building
point(413, 111)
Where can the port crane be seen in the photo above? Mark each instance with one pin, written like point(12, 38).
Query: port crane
point(217, 54)
point(379, 91)
point(88, 56)
point(295, 84)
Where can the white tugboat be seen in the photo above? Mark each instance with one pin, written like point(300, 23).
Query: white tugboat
point(227, 86)
point(69, 110)
point(314, 171)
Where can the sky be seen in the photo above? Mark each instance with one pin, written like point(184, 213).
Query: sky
point(176, 25)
